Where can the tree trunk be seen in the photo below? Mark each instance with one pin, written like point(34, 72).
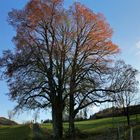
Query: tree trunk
point(57, 119)
point(71, 127)
point(127, 114)
point(71, 117)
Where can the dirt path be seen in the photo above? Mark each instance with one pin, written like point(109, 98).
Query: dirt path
point(36, 132)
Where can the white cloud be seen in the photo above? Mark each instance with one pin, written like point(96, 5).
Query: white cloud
point(138, 48)
point(138, 44)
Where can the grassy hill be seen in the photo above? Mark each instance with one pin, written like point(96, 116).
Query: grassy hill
point(100, 129)
point(4, 121)
point(114, 111)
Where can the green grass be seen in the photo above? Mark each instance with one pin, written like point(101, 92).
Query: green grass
point(103, 128)
point(137, 133)
point(100, 129)
point(17, 132)
point(98, 124)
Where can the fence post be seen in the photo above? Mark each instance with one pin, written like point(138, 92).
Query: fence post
point(118, 133)
point(131, 133)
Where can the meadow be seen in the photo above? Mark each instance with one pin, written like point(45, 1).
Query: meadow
point(17, 132)
point(100, 129)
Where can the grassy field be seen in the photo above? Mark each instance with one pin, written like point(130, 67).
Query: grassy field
point(104, 129)
point(101, 129)
point(17, 132)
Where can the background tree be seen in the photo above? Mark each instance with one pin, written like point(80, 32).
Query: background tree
point(85, 113)
point(36, 116)
point(124, 78)
point(10, 114)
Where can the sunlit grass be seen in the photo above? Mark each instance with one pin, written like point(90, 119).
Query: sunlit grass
point(98, 124)
point(99, 127)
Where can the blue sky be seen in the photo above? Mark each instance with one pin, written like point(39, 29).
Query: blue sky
point(122, 15)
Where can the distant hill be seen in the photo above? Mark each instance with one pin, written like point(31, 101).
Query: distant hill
point(115, 112)
point(4, 121)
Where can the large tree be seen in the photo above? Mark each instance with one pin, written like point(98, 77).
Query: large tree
point(92, 49)
point(60, 55)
